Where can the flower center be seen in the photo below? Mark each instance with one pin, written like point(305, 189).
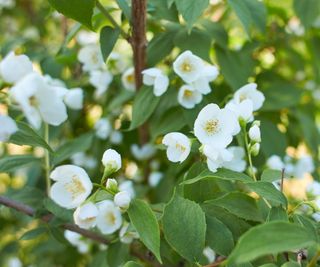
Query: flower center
point(75, 187)
point(180, 147)
point(211, 126)
point(110, 218)
point(187, 93)
point(33, 101)
point(130, 78)
point(242, 97)
point(186, 67)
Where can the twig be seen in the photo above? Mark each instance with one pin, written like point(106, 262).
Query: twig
point(282, 179)
point(25, 209)
point(314, 260)
point(216, 263)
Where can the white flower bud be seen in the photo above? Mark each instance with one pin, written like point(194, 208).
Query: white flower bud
point(254, 133)
point(112, 185)
point(111, 160)
point(255, 149)
point(122, 200)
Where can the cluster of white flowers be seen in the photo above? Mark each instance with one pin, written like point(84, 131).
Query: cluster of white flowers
point(104, 130)
point(215, 128)
point(38, 97)
point(72, 188)
point(155, 77)
point(8, 4)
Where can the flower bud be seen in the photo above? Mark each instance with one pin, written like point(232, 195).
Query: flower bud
point(255, 149)
point(111, 160)
point(112, 185)
point(254, 133)
point(122, 200)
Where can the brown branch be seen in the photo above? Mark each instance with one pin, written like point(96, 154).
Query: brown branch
point(282, 179)
point(27, 210)
point(216, 263)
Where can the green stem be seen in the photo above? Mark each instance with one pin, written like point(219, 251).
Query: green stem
point(246, 142)
point(111, 19)
point(47, 158)
point(314, 260)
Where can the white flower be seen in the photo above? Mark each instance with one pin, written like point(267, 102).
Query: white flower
point(126, 235)
point(8, 127)
point(14, 68)
point(53, 81)
point(7, 4)
point(215, 126)
point(72, 186)
point(216, 156)
point(74, 98)
point(144, 152)
point(86, 37)
point(103, 128)
point(128, 80)
point(128, 187)
point(109, 218)
point(237, 163)
point(303, 166)
point(14, 261)
point(314, 188)
point(91, 57)
point(209, 254)
point(81, 159)
point(112, 185)
point(155, 178)
point(243, 110)
point(116, 137)
point(39, 101)
point(85, 216)
point(178, 146)
point(101, 81)
point(254, 133)
point(188, 96)
point(155, 77)
point(122, 200)
point(188, 66)
point(274, 162)
point(249, 91)
point(116, 63)
point(77, 240)
point(208, 74)
point(111, 160)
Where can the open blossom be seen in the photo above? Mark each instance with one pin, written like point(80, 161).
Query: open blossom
point(109, 218)
point(303, 166)
point(15, 67)
point(91, 57)
point(8, 127)
point(215, 126)
point(237, 162)
point(208, 74)
point(72, 186)
point(101, 80)
point(254, 133)
point(216, 156)
point(116, 63)
point(249, 91)
point(127, 235)
point(154, 178)
point(103, 128)
point(86, 37)
point(155, 77)
point(122, 200)
point(188, 66)
point(274, 162)
point(188, 96)
point(178, 146)
point(128, 80)
point(85, 216)
point(144, 152)
point(128, 187)
point(111, 160)
point(77, 241)
point(39, 101)
point(74, 98)
point(243, 110)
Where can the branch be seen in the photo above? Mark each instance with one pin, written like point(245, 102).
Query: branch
point(25, 209)
point(216, 263)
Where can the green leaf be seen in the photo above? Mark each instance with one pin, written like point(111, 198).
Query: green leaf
point(291, 264)
point(277, 214)
point(307, 11)
point(184, 224)
point(125, 8)
point(108, 38)
point(218, 236)
point(99, 260)
point(132, 264)
point(145, 222)
point(268, 265)
point(27, 136)
point(239, 204)
point(268, 191)
point(270, 238)
point(191, 10)
point(308, 224)
point(143, 106)
point(34, 233)
point(270, 175)
point(58, 211)
point(223, 174)
point(250, 13)
point(79, 144)
point(79, 10)
point(12, 163)
point(216, 32)
point(159, 10)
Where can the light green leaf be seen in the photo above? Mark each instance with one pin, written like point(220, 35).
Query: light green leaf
point(277, 214)
point(58, 211)
point(143, 106)
point(145, 222)
point(79, 144)
point(216, 32)
point(307, 11)
point(239, 204)
point(250, 13)
point(291, 264)
point(270, 175)
point(27, 136)
point(80, 10)
point(99, 260)
point(270, 238)
point(184, 224)
point(108, 38)
point(12, 163)
point(191, 10)
point(268, 191)
point(132, 264)
point(123, 4)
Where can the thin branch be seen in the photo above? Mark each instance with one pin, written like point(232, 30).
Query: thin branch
point(218, 262)
point(282, 179)
point(25, 209)
point(112, 21)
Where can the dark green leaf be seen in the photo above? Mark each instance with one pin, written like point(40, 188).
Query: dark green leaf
point(277, 214)
point(15, 162)
point(58, 211)
point(125, 8)
point(108, 38)
point(34, 233)
point(132, 264)
point(269, 175)
point(307, 11)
